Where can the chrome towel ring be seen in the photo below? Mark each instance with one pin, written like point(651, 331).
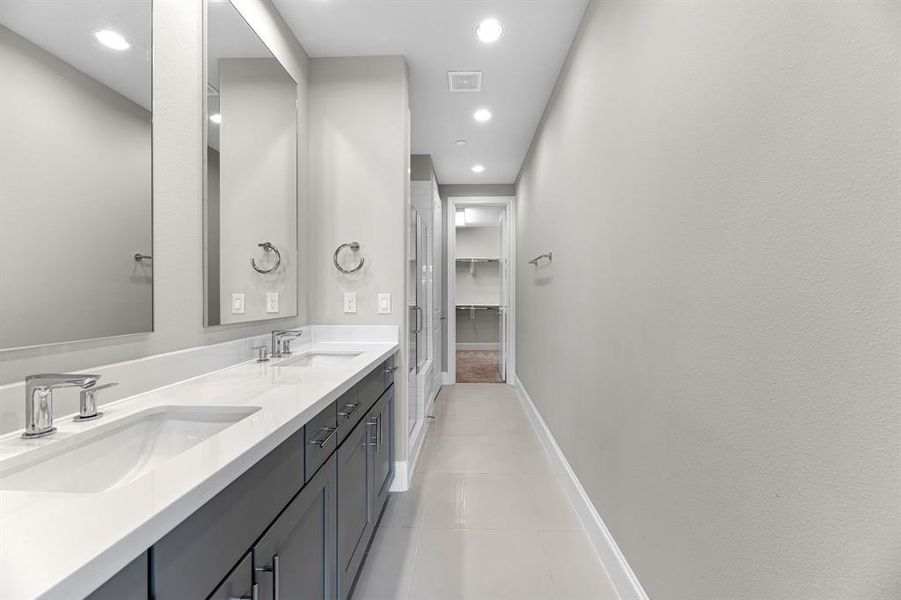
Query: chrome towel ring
point(268, 247)
point(355, 246)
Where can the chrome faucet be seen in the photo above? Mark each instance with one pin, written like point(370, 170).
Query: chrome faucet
point(39, 399)
point(281, 341)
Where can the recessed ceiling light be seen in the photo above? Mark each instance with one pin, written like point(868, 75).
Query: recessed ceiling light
point(460, 142)
point(489, 31)
point(111, 39)
point(482, 115)
point(217, 118)
point(477, 168)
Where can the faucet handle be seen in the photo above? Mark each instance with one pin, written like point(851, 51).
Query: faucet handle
point(262, 353)
point(87, 402)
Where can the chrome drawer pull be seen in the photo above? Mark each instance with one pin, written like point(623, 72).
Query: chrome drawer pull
point(274, 570)
point(321, 443)
point(368, 438)
point(391, 370)
point(352, 408)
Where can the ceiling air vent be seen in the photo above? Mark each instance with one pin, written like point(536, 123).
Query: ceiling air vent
point(464, 81)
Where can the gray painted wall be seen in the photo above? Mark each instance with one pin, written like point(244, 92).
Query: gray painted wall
point(177, 207)
point(74, 202)
point(716, 345)
point(360, 186)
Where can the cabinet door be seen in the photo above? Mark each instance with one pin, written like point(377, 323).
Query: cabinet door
point(295, 558)
point(382, 452)
point(353, 503)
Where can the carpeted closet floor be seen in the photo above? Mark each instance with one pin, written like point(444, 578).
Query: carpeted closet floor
point(477, 366)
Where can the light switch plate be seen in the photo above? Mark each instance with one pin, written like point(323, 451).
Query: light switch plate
point(350, 302)
point(271, 302)
point(384, 304)
point(237, 304)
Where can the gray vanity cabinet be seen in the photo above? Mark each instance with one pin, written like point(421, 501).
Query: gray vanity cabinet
point(365, 471)
point(295, 557)
point(353, 504)
point(382, 452)
point(295, 526)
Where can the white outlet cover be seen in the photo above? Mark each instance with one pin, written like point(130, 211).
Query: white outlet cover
point(350, 302)
point(237, 304)
point(271, 302)
point(384, 304)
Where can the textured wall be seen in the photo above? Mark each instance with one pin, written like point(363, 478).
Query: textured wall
point(717, 345)
point(177, 211)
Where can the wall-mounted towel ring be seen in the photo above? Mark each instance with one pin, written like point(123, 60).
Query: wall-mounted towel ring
point(353, 246)
point(268, 247)
point(549, 256)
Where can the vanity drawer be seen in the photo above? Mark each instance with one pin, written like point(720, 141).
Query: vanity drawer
point(320, 439)
point(372, 386)
point(195, 556)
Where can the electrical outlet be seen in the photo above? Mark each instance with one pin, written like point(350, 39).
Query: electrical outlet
point(237, 304)
point(350, 302)
point(384, 304)
point(271, 302)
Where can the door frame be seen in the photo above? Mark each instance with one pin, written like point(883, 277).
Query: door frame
point(509, 204)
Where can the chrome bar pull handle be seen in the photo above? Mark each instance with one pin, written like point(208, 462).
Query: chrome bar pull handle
point(321, 443)
point(273, 568)
point(369, 442)
point(346, 413)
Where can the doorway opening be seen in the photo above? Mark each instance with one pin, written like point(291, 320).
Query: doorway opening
point(479, 284)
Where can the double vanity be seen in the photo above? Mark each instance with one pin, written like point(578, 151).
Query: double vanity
point(263, 481)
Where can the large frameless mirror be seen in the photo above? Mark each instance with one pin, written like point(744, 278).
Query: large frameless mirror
point(75, 160)
point(250, 199)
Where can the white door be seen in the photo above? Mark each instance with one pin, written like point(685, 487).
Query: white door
point(505, 294)
point(437, 292)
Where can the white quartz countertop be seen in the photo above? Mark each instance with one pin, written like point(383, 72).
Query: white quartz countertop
point(64, 545)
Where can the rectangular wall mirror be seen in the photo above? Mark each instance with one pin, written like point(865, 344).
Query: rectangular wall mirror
point(75, 158)
point(250, 199)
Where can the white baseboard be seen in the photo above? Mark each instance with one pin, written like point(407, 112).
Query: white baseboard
point(405, 469)
point(621, 574)
point(401, 482)
point(483, 347)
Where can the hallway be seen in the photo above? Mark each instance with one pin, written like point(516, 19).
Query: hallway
point(486, 517)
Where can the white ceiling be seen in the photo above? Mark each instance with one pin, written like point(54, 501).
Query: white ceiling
point(65, 28)
point(437, 36)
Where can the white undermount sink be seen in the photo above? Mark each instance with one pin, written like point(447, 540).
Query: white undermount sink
point(116, 454)
point(319, 359)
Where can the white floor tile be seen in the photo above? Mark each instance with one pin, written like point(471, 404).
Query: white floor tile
point(467, 454)
point(480, 565)
point(486, 517)
point(388, 566)
point(575, 568)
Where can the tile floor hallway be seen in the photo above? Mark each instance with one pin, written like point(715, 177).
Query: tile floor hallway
point(485, 518)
